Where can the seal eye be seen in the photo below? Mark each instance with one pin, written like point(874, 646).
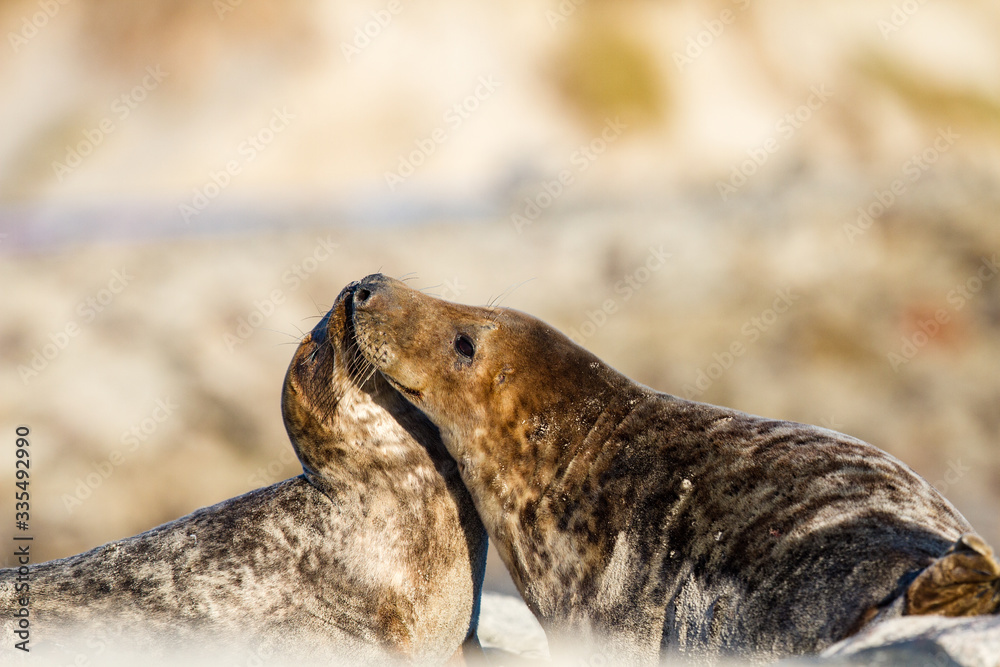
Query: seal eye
point(464, 346)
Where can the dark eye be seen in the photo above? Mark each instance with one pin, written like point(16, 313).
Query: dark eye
point(464, 346)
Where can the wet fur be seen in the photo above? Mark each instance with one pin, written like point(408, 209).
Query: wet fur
point(648, 523)
point(374, 554)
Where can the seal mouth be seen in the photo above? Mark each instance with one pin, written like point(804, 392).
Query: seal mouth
point(403, 389)
point(362, 343)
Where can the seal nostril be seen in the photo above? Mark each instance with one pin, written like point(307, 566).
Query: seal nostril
point(361, 295)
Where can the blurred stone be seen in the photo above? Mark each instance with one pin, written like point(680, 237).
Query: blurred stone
point(509, 632)
point(917, 641)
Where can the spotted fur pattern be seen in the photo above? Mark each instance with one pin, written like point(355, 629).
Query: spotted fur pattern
point(646, 522)
point(375, 554)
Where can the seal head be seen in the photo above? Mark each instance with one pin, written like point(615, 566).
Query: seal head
point(374, 555)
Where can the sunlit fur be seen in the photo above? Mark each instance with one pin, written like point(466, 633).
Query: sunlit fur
point(637, 523)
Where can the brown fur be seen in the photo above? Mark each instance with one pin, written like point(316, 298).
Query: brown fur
point(643, 521)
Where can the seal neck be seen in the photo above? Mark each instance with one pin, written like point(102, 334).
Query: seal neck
point(533, 489)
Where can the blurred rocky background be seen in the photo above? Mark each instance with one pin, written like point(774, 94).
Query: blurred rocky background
point(789, 208)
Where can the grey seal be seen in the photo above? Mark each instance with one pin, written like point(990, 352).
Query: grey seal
point(651, 524)
point(374, 555)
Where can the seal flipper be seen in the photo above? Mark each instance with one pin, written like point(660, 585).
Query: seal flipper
point(964, 581)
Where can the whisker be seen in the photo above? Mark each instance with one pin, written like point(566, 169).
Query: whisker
point(313, 317)
point(319, 308)
point(366, 369)
point(430, 287)
point(357, 370)
point(297, 339)
point(495, 301)
point(370, 375)
point(493, 306)
point(357, 366)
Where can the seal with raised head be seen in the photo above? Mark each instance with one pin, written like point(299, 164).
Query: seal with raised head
point(652, 524)
point(374, 555)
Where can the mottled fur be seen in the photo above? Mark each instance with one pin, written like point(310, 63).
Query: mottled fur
point(375, 554)
point(644, 521)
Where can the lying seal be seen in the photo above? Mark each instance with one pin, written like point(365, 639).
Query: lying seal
point(375, 554)
point(648, 522)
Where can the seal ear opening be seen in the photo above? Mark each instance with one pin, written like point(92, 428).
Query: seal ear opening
point(964, 581)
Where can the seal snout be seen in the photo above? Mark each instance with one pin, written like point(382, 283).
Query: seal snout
point(381, 315)
point(368, 289)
